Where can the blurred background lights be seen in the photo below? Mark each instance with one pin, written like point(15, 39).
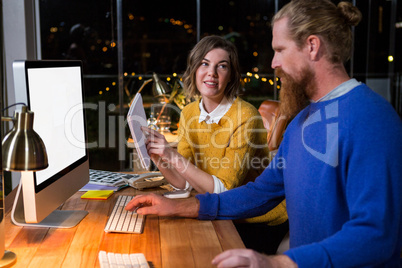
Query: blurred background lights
point(390, 58)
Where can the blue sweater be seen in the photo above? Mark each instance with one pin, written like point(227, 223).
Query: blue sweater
point(340, 168)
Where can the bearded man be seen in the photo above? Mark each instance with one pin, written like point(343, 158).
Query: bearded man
point(343, 153)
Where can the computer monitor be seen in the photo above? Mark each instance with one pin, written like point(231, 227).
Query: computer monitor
point(53, 91)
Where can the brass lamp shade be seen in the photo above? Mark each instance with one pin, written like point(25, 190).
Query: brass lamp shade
point(160, 89)
point(22, 148)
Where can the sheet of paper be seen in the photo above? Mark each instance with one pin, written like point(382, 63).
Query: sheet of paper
point(91, 186)
point(136, 118)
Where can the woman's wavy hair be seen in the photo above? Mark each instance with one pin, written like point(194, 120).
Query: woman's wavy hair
point(195, 58)
point(324, 19)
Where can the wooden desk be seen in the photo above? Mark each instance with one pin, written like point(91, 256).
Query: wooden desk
point(165, 242)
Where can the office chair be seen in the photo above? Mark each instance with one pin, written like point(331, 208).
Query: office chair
point(274, 122)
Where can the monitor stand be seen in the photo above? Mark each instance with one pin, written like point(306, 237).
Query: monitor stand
point(56, 219)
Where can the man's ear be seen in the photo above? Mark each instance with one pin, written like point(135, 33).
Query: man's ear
point(314, 46)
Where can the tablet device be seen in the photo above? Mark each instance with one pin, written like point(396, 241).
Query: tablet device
point(136, 119)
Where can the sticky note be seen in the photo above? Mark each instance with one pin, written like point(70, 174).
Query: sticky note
point(97, 194)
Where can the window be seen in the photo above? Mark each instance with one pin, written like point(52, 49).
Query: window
point(157, 36)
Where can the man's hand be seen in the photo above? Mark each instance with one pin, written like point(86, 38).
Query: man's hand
point(252, 259)
point(161, 206)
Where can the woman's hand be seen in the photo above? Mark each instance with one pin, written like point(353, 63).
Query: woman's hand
point(157, 146)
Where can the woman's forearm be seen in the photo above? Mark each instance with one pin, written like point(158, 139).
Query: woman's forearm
point(201, 181)
point(177, 170)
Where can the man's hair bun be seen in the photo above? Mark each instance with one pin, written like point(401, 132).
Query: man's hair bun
point(350, 13)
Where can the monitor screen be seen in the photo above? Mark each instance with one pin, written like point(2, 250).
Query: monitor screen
point(53, 91)
point(55, 97)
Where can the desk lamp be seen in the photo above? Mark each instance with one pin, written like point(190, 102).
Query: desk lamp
point(159, 88)
point(22, 150)
point(160, 91)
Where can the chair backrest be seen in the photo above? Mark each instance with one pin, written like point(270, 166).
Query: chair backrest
point(274, 122)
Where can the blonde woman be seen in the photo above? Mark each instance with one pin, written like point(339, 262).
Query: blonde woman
point(222, 140)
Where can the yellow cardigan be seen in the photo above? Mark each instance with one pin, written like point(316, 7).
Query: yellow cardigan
point(235, 150)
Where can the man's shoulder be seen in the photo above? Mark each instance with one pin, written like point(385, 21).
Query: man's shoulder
point(363, 103)
point(359, 107)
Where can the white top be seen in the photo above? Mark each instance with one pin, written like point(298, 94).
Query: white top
point(216, 115)
point(340, 90)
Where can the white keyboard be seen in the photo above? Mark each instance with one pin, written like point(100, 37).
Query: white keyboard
point(123, 221)
point(117, 260)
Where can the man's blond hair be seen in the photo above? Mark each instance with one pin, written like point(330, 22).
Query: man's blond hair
point(322, 18)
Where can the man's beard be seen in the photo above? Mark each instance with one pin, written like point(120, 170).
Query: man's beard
point(295, 94)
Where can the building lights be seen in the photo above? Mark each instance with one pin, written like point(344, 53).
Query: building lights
point(250, 78)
